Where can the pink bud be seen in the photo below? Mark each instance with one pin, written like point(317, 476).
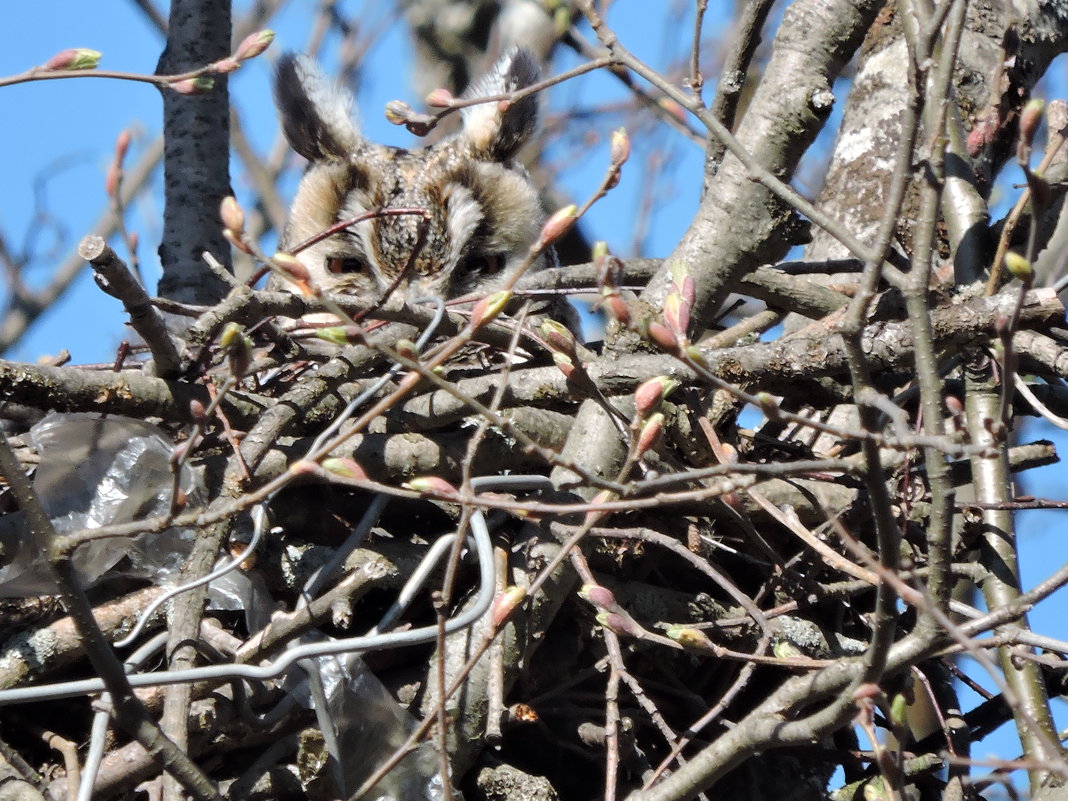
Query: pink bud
point(398, 112)
point(557, 225)
point(649, 394)
point(254, 44)
point(291, 266)
point(505, 603)
point(663, 336)
point(122, 144)
point(344, 467)
point(620, 623)
point(77, 58)
point(200, 85)
point(111, 180)
point(440, 98)
point(489, 307)
point(431, 485)
point(231, 213)
point(672, 108)
point(619, 150)
point(598, 596)
point(651, 431)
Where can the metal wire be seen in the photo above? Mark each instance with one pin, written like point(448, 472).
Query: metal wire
point(98, 732)
point(259, 520)
point(482, 546)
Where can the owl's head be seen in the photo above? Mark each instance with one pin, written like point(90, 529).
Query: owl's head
point(480, 212)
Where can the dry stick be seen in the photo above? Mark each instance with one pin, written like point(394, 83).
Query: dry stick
point(916, 291)
point(886, 528)
point(114, 277)
point(696, 80)
point(129, 714)
point(448, 584)
point(746, 38)
point(993, 485)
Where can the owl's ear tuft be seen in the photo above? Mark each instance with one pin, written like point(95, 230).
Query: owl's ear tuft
point(497, 130)
point(316, 112)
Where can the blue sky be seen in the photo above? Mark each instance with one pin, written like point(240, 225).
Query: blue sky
point(57, 140)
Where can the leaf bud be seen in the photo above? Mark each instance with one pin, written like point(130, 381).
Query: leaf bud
point(200, 85)
point(599, 596)
point(619, 151)
point(650, 432)
point(398, 112)
point(489, 307)
point(440, 98)
point(620, 623)
point(649, 394)
point(430, 485)
point(663, 336)
point(505, 603)
point(231, 214)
point(564, 364)
point(334, 334)
point(689, 637)
point(558, 338)
point(406, 348)
point(1018, 266)
point(225, 66)
point(1030, 118)
point(254, 44)
point(557, 225)
point(236, 240)
point(344, 467)
point(75, 58)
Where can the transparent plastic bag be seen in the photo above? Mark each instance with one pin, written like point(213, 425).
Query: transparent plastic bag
point(368, 726)
point(94, 472)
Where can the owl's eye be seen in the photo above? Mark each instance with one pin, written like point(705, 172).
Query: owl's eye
point(485, 264)
point(345, 265)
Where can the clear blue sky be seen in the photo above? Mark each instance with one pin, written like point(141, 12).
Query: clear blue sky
point(57, 140)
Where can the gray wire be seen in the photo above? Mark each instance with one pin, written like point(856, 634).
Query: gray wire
point(98, 732)
point(326, 571)
point(372, 641)
point(377, 641)
point(259, 519)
